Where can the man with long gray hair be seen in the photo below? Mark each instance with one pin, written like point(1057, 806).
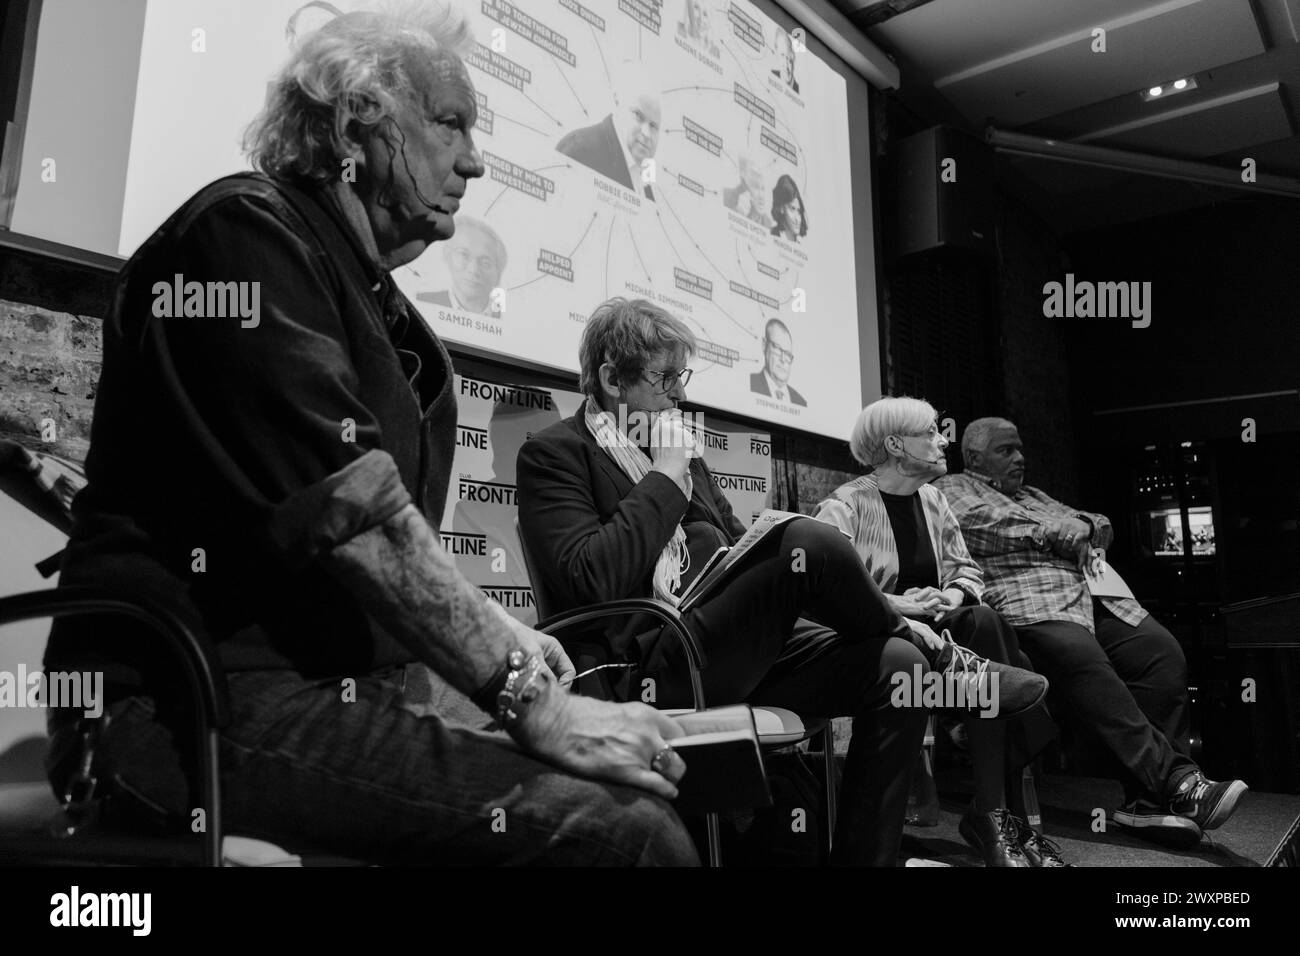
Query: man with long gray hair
point(307, 454)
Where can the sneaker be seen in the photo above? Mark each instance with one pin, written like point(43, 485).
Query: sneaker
point(1040, 850)
point(1019, 690)
point(996, 836)
point(1158, 824)
point(1204, 802)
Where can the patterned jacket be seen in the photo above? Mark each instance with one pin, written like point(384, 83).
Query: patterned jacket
point(858, 510)
point(1027, 581)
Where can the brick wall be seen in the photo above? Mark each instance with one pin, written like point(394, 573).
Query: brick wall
point(1035, 365)
point(50, 314)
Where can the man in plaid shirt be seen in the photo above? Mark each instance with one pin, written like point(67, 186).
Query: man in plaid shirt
point(1123, 674)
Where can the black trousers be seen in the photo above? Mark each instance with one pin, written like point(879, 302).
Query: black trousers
point(982, 629)
point(1128, 687)
point(803, 626)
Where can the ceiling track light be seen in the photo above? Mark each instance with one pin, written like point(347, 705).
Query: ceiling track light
point(1172, 88)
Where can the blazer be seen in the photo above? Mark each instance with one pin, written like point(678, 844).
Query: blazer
point(595, 534)
point(758, 383)
point(597, 147)
point(858, 510)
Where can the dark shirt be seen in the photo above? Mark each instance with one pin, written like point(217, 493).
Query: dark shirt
point(917, 567)
point(225, 460)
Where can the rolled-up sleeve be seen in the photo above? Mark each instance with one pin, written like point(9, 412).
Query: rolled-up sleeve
point(320, 517)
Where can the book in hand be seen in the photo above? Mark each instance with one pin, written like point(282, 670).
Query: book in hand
point(725, 560)
point(724, 765)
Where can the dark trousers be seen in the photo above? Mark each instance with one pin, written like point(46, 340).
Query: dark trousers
point(982, 629)
point(370, 779)
point(804, 626)
point(997, 747)
point(1128, 688)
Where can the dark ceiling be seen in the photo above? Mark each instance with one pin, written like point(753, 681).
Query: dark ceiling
point(1030, 66)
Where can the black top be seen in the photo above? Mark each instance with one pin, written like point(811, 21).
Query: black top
point(917, 567)
point(228, 454)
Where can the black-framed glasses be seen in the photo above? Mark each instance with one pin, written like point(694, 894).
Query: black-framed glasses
point(463, 258)
point(781, 353)
point(669, 378)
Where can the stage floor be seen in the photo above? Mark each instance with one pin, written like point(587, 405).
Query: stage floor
point(1261, 822)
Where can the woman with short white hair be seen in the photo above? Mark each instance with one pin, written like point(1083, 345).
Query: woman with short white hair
point(910, 542)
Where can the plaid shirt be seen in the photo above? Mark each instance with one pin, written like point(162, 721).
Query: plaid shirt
point(1025, 581)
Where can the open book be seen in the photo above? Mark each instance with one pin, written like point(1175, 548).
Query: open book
point(725, 560)
point(724, 765)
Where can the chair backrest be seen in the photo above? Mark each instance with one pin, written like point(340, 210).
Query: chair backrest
point(544, 601)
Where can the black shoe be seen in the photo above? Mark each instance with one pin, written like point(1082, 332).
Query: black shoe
point(996, 837)
point(1040, 850)
point(1018, 690)
point(1158, 824)
point(1204, 802)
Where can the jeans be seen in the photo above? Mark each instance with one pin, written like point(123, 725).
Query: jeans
point(367, 778)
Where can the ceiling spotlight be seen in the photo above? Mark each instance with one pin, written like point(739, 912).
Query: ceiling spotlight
point(1181, 85)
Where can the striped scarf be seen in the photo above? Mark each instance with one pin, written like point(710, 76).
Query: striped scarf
point(636, 465)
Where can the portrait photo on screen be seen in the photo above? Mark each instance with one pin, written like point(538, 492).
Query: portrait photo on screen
point(707, 156)
point(475, 261)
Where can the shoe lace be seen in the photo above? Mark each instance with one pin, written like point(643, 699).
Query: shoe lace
point(1031, 837)
point(966, 662)
point(1198, 791)
point(1009, 827)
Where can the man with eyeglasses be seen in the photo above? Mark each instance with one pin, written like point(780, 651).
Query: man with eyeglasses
point(476, 258)
point(774, 378)
point(612, 511)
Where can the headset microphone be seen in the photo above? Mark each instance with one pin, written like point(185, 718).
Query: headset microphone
point(419, 196)
point(928, 461)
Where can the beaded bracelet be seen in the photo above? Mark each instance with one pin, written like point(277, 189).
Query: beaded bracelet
point(519, 686)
